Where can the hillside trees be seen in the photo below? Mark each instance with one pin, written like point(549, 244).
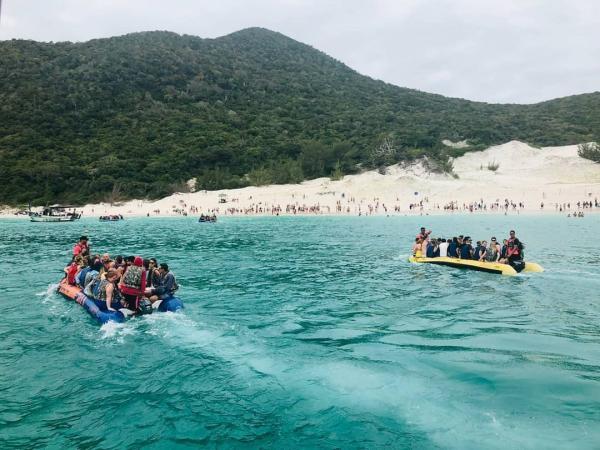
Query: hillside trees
point(148, 111)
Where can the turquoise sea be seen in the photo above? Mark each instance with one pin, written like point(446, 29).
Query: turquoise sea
point(306, 333)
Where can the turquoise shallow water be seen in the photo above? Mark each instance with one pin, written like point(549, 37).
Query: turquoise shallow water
point(303, 333)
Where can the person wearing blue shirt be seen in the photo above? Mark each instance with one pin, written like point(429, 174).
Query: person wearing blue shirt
point(452, 248)
point(466, 250)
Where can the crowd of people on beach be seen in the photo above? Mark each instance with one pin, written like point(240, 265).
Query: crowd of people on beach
point(461, 247)
point(349, 205)
point(130, 282)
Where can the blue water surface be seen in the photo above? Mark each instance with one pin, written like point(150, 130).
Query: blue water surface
point(306, 333)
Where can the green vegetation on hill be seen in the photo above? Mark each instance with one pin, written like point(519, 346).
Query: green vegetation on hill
point(137, 115)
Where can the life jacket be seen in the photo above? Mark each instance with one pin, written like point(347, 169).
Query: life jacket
point(80, 277)
point(90, 279)
point(491, 254)
point(80, 248)
point(96, 289)
point(71, 272)
point(133, 281)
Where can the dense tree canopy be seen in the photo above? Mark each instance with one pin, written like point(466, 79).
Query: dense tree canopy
point(137, 115)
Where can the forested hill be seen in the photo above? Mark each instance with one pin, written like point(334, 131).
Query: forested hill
point(137, 115)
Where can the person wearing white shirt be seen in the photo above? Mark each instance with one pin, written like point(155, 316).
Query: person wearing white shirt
point(444, 248)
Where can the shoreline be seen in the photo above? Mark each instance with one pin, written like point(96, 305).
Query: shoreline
point(524, 178)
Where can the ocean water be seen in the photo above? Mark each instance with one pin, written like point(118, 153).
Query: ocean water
point(305, 333)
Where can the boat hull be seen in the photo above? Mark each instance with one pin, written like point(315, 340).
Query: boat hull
point(489, 267)
point(97, 309)
point(51, 219)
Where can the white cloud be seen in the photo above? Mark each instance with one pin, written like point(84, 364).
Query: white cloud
point(495, 50)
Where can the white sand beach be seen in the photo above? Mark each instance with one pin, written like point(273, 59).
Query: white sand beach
point(526, 177)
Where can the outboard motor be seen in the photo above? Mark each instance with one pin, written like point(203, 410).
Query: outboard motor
point(145, 307)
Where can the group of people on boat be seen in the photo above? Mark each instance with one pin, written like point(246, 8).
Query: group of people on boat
point(111, 218)
point(508, 252)
point(129, 282)
point(207, 218)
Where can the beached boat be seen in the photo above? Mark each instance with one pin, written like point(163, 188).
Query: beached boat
point(111, 218)
point(98, 312)
point(490, 267)
point(207, 219)
point(55, 213)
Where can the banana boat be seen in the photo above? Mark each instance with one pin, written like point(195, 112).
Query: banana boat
point(483, 266)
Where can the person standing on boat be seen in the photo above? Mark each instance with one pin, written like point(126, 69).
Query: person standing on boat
point(417, 247)
point(82, 247)
point(423, 234)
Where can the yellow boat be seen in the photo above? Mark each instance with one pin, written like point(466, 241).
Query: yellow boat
point(490, 267)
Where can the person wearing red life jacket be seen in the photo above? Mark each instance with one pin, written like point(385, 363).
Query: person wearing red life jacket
point(82, 247)
point(72, 269)
point(133, 283)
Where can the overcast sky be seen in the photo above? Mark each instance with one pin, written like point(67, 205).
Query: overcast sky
point(518, 51)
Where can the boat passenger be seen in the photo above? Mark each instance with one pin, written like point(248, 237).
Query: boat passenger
point(417, 248)
point(466, 249)
point(152, 276)
point(483, 250)
point(514, 252)
point(443, 247)
point(106, 290)
point(82, 247)
point(80, 277)
point(91, 276)
point(513, 238)
point(503, 250)
point(424, 234)
point(493, 251)
point(431, 248)
point(476, 251)
point(72, 269)
point(133, 283)
point(453, 248)
point(167, 284)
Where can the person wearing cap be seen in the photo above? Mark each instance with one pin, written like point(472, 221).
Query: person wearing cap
point(493, 251)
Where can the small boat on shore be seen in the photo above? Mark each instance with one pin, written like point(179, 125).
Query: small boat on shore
point(55, 213)
point(111, 218)
point(97, 308)
point(483, 266)
point(207, 219)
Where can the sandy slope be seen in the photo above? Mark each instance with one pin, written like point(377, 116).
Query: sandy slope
point(553, 175)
